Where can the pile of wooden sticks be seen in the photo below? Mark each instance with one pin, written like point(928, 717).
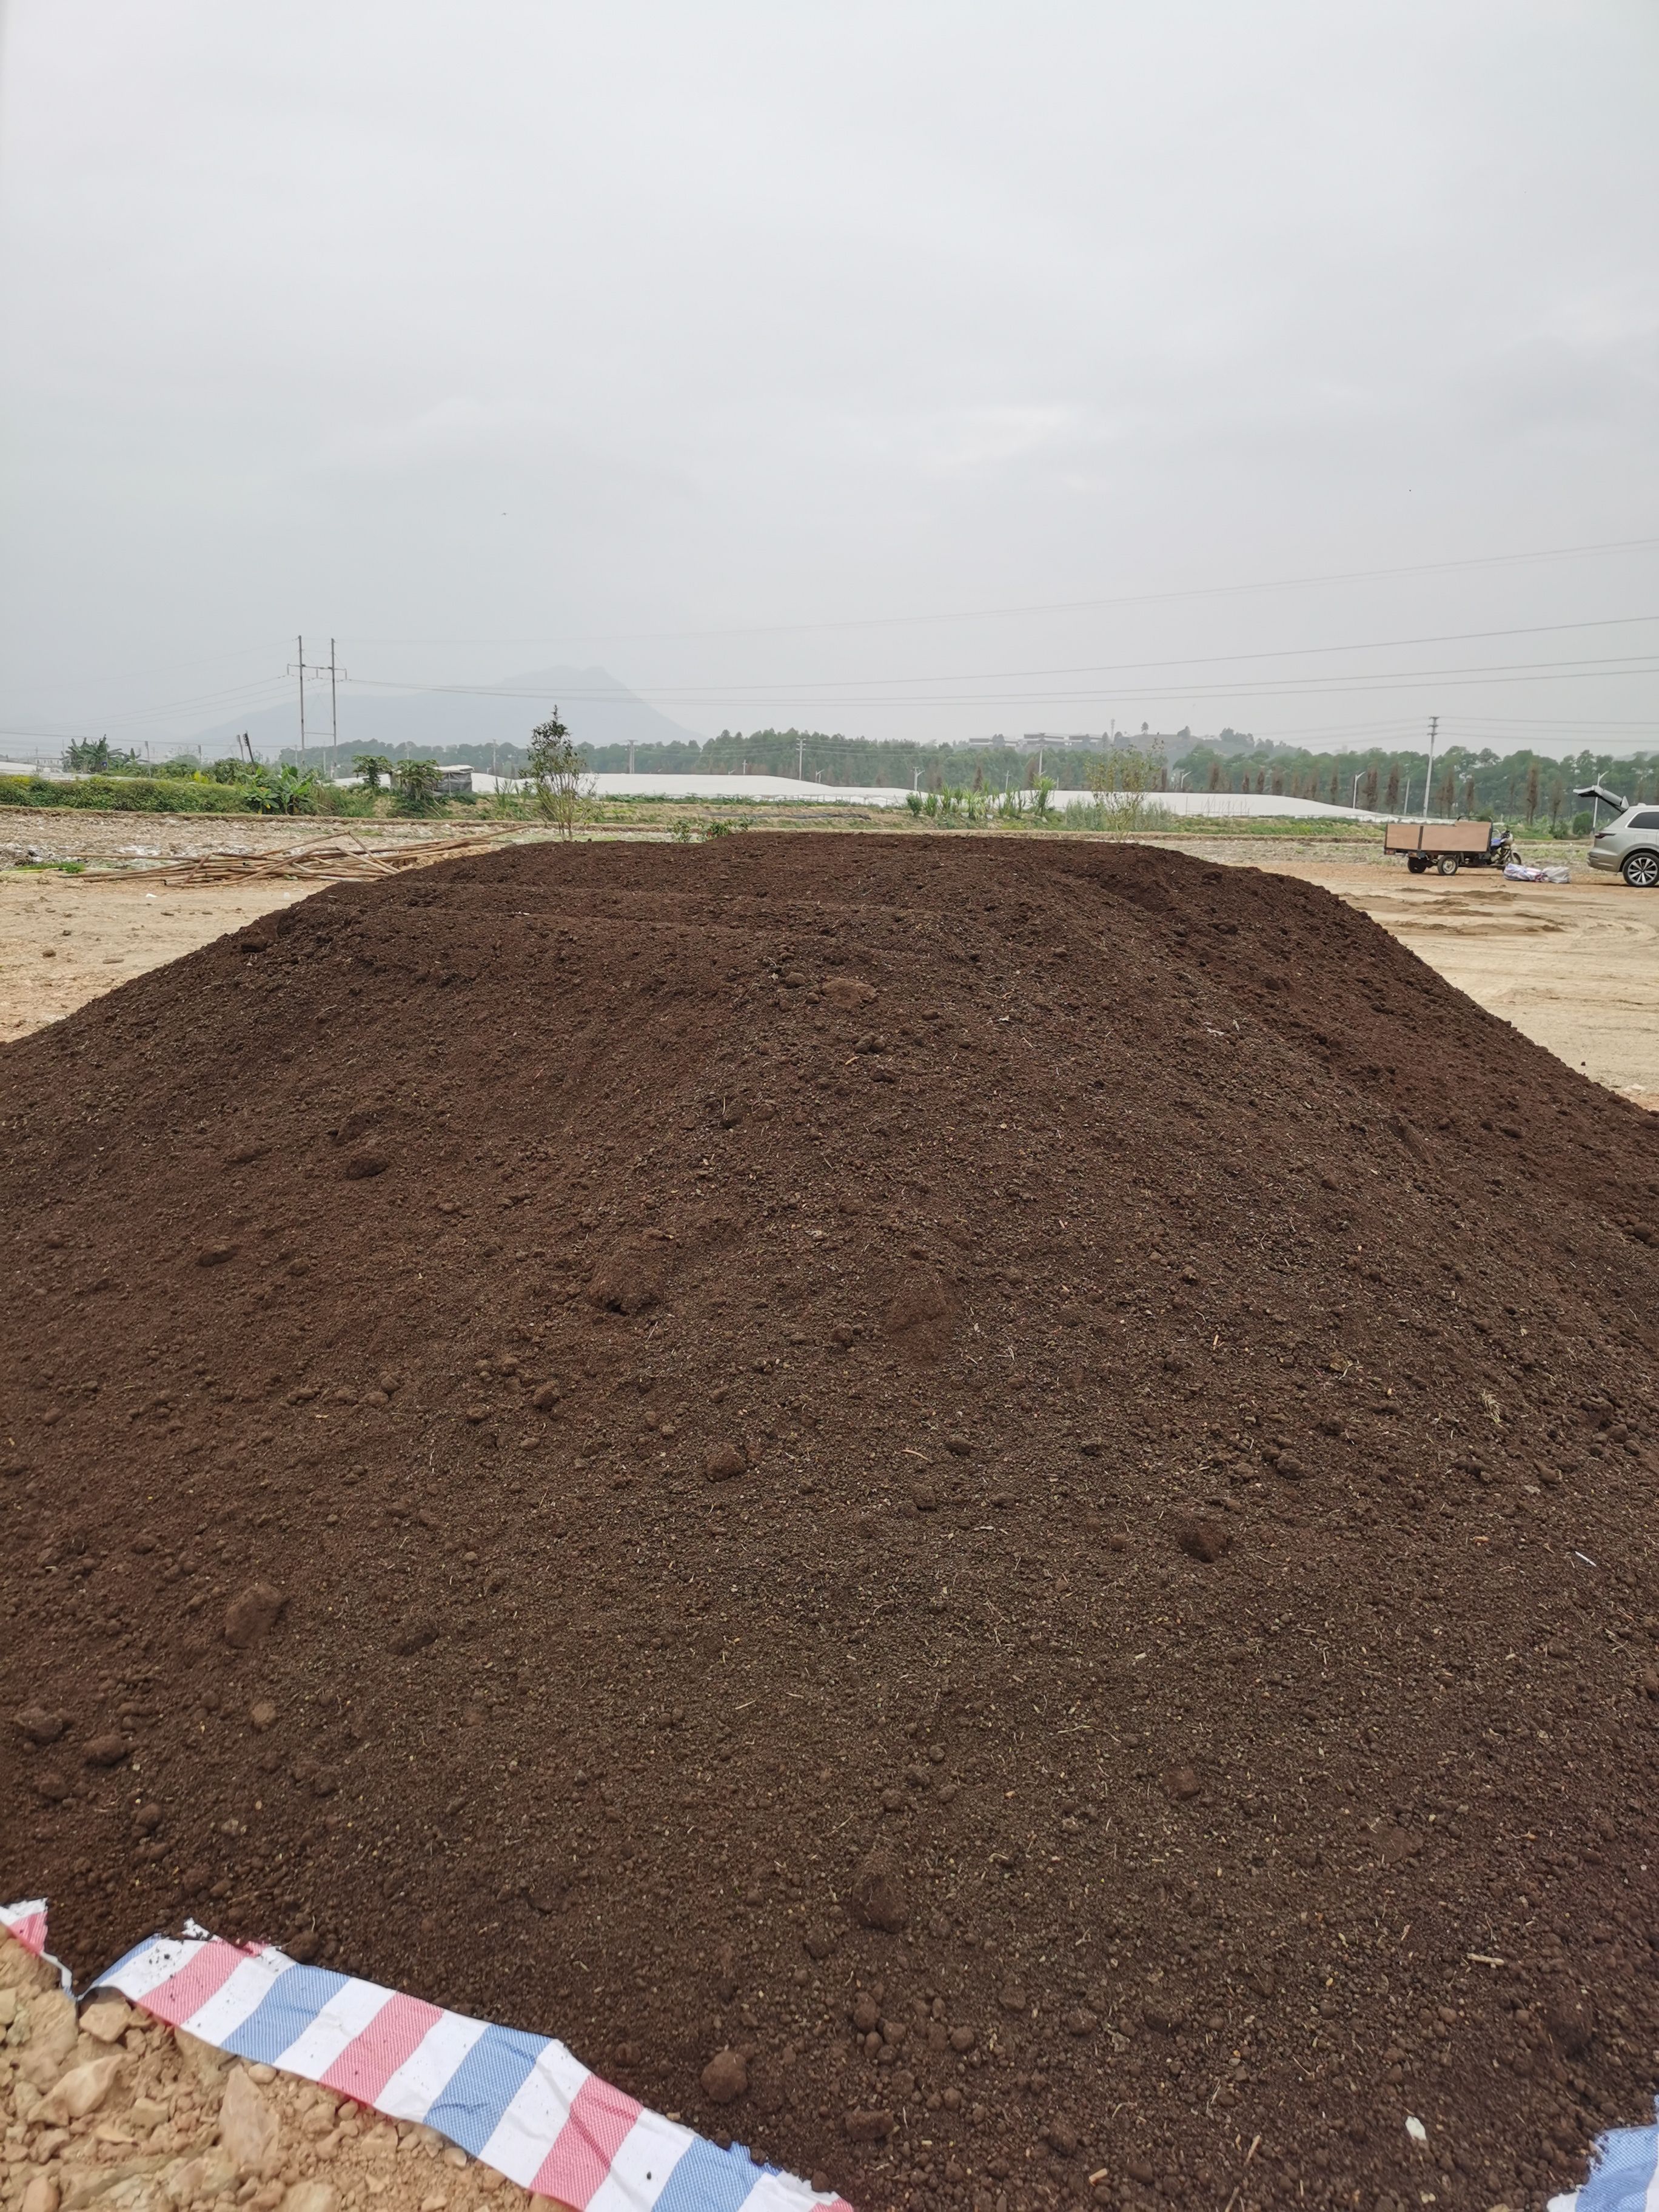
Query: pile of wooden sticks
point(342, 860)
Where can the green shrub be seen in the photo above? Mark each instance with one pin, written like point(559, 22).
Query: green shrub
point(97, 757)
point(415, 786)
point(342, 799)
point(282, 790)
point(122, 794)
point(1122, 813)
point(557, 773)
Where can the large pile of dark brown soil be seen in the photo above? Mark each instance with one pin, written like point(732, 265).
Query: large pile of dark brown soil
point(1019, 1483)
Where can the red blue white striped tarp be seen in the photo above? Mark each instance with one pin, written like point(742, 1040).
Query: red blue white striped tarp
point(520, 2103)
point(26, 1924)
point(1624, 2175)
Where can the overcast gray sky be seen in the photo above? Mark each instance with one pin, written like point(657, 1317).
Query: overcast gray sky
point(777, 357)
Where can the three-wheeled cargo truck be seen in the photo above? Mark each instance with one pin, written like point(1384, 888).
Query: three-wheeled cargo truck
point(1449, 846)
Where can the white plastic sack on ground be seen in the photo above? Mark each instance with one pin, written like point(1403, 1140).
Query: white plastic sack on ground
point(1519, 872)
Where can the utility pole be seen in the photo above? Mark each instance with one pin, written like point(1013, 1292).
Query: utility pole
point(800, 758)
point(302, 669)
point(1355, 800)
point(1428, 775)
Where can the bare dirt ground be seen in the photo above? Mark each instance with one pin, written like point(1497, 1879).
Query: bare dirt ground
point(44, 836)
point(1570, 965)
point(64, 940)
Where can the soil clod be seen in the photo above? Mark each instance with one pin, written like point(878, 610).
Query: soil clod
point(252, 1613)
point(725, 2077)
point(878, 1898)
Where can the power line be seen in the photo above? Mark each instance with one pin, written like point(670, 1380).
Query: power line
point(1047, 607)
point(245, 694)
point(707, 691)
point(1227, 659)
point(268, 687)
point(200, 661)
point(1288, 687)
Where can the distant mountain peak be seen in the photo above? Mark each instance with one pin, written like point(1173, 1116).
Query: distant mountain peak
point(596, 708)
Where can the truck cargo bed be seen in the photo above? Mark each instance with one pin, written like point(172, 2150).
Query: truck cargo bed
point(1437, 836)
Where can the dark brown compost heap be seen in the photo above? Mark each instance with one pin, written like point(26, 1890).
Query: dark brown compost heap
point(1015, 1481)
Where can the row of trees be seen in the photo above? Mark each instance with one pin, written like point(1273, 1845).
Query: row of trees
point(1522, 786)
point(818, 754)
point(495, 759)
point(826, 756)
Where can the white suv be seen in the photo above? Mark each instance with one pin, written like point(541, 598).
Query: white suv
point(1630, 844)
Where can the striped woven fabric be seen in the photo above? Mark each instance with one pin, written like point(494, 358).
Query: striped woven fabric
point(521, 2103)
point(26, 1922)
point(1623, 2176)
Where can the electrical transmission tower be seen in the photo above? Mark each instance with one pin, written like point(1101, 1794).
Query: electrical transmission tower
point(330, 668)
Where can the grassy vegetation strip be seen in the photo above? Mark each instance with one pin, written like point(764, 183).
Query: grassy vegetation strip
point(121, 795)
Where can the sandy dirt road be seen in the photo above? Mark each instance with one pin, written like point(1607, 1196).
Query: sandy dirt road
point(1574, 966)
point(64, 941)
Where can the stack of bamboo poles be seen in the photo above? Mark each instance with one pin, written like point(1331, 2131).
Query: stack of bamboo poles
point(345, 860)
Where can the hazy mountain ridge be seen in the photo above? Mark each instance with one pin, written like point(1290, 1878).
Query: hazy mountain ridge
point(374, 721)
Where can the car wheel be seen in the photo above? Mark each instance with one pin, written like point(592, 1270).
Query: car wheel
point(1449, 865)
point(1416, 863)
point(1641, 871)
